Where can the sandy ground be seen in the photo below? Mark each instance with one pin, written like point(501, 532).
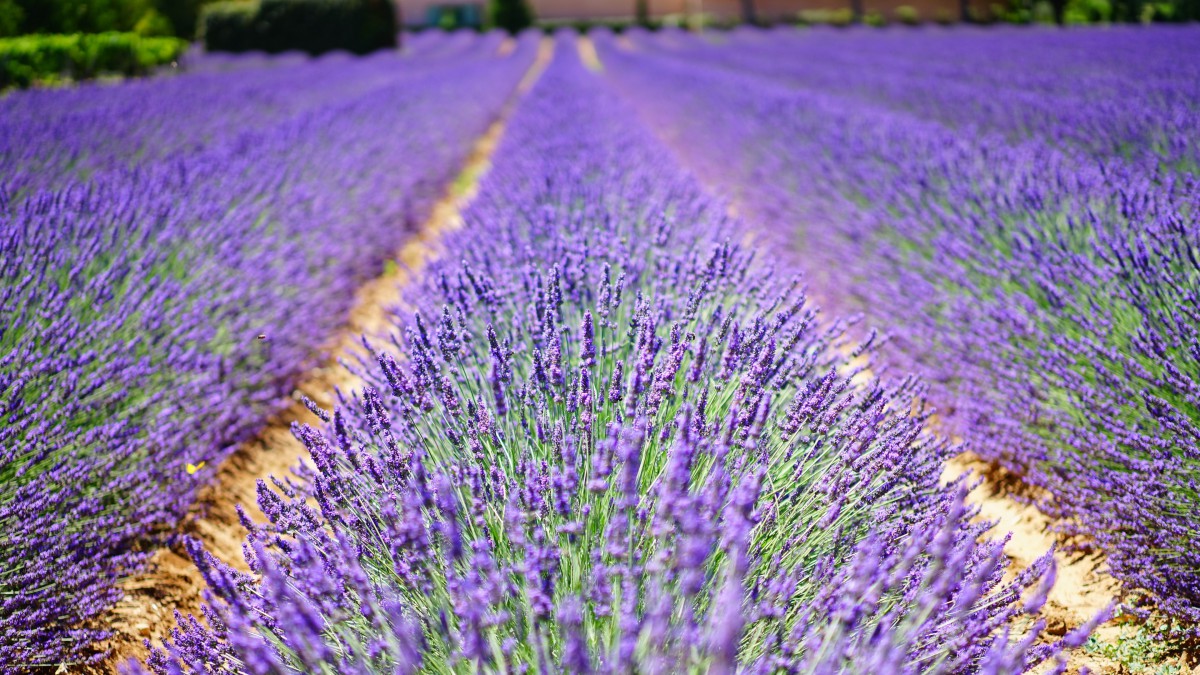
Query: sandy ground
point(1082, 588)
point(587, 54)
point(171, 581)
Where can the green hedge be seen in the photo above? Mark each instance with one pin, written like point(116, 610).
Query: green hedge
point(313, 26)
point(46, 58)
point(513, 16)
point(228, 26)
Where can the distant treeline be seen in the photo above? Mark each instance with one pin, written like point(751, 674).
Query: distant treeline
point(181, 17)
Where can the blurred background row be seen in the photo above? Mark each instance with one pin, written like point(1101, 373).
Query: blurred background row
point(185, 18)
point(48, 42)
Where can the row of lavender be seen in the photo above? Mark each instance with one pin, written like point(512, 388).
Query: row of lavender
point(611, 440)
point(173, 253)
point(53, 137)
point(1122, 92)
point(1031, 243)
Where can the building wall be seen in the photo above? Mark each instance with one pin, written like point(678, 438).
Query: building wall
point(782, 10)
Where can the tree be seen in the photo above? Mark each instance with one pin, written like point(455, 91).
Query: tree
point(11, 18)
point(1059, 7)
point(182, 14)
point(98, 16)
point(511, 15)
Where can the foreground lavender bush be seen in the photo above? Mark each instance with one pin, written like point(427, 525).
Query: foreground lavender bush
point(617, 443)
point(149, 234)
point(1036, 260)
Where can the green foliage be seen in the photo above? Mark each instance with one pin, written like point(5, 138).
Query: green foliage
point(144, 17)
point(11, 17)
point(1098, 11)
point(184, 15)
point(1173, 11)
point(1012, 11)
point(1043, 12)
point(875, 19)
point(154, 24)
point(181, 14)
point(75, 16)
point(907, 15)
point(228, 26)
point(47, 58)
point(313, 26)
point(1186, 10)
point(184, 18)
point(830, 17)
point(319, 26)
point(1088, 12)
point(510, 15)
point(451, 17)
point(1145, 649)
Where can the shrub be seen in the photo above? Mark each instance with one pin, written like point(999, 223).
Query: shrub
point(228, 26)
point(981, 16)
point(831, 17)
point(1083, 12)
point(184, 15)
point(511, 15)
point(74, 16)
point(908, 15)
point(11, 16)
point(453, 17)
point(38, 58)
point(154, 24)
point(313, 26)
point(318, 26)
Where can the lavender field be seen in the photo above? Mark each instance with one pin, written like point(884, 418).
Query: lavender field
point(677, 341)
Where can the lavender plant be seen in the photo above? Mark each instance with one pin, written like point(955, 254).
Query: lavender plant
point(1042, 279)
point(611, 440)
point(173, 253)
point(1117, 93)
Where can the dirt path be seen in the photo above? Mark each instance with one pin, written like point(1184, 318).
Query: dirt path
point(1082, 588)
point(171, 581)
point(587, 54)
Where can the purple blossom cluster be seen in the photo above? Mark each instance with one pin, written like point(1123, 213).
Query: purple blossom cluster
point(174, 253)
point(1019, 208)
point(610, 438)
